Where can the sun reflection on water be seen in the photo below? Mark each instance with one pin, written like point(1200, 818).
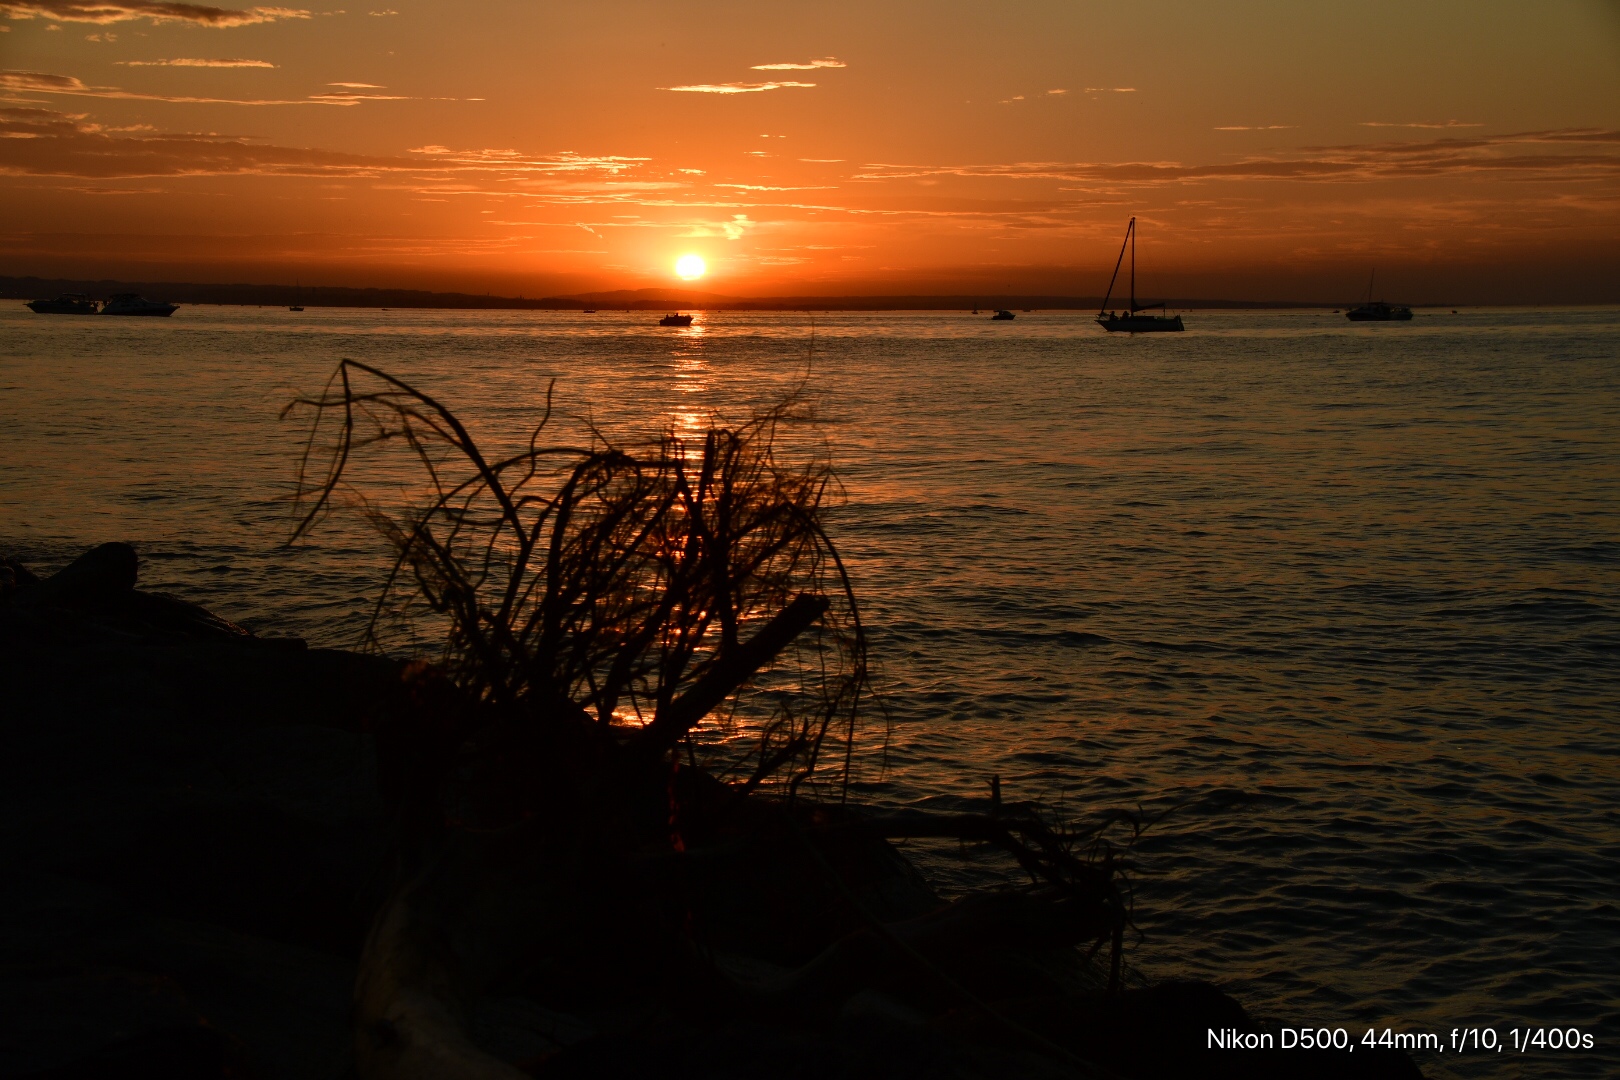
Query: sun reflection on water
point(692, 377)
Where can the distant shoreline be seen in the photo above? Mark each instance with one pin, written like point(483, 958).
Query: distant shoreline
point(34, 288)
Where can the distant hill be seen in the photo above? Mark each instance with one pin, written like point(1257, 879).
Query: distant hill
point(180, 292)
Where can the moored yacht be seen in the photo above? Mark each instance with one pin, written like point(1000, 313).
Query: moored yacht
point(130, 304)
point(675, 320)
point(71, 303)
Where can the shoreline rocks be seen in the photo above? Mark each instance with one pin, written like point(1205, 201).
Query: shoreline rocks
point(206, 879)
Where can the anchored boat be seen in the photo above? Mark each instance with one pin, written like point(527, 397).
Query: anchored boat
point(130, 304)
point(675, 320)
point(1378, 310)
point(72, 303)
point(1128, 320)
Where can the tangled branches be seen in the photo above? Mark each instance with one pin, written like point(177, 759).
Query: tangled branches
point(680, 592)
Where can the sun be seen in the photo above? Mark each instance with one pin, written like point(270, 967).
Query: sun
point(690, 267)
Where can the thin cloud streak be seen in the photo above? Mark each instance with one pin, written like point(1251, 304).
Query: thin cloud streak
point(1502, 155)
point(44, 142)
point(196, 63)
point(1442, 125)
point(772, 187)
point(826, 62)
point(36, 82)
point(735, 87)
point(103, 12)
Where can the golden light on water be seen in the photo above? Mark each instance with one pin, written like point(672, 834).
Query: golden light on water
point(690, 267)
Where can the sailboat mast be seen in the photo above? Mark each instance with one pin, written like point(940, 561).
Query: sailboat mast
point(1109, 295)
point(1133, 265)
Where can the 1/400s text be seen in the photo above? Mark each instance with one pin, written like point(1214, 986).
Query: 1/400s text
point(1463, 1040)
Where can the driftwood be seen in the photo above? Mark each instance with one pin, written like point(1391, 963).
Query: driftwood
point(639, 642)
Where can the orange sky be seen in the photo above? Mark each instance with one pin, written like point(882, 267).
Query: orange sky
point(1468, 150)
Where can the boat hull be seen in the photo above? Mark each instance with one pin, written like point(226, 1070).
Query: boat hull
point(63, 307)
point(1141, 324)
point(160, 311)
point(675, 320)
point(1398, 315)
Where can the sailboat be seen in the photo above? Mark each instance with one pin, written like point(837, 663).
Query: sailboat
point(298, 298)
point(1130, 321)
point(1378, 310)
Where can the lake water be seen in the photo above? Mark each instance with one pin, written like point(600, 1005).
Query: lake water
point(1346, 597)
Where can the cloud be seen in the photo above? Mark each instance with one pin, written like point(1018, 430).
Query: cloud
point(358, 85)
point(1567, 154)
point(734, 229)
point(517, 163)
point(346, 97)
point(1057, 91)
point(40, 83)
point(770, 187)
point(186, 61)
point(1257, 127)
point(734, 87)
point(114, 11)
point(1440, 125)
point(826, 62)
point(43, 142)
point(1110, 90)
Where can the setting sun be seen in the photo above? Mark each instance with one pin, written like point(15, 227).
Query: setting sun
point(690, 267)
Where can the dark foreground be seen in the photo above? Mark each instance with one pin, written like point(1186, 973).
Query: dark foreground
point(207, 876)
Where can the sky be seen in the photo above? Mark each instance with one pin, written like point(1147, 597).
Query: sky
point(1468, 152)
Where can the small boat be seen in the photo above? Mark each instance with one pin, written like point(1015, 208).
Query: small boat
point(1378, 310)
point(71, 303)
point(1002, 316)
point(130, 304)
point(298, 298)
point(1128, 320)
point(675, 320)
point(590, 311)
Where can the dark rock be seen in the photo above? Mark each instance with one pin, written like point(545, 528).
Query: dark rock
point(193, 846)
point(14, 575)
point(93, 601)
point(99, 575)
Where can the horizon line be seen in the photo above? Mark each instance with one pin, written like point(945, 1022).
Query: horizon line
point(632, 299)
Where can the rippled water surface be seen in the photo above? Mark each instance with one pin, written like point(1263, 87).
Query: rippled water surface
point(1346, 597)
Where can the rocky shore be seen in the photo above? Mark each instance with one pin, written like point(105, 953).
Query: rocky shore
point(210, 872)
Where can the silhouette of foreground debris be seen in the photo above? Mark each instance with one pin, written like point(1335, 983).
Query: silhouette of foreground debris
point(606, 832)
